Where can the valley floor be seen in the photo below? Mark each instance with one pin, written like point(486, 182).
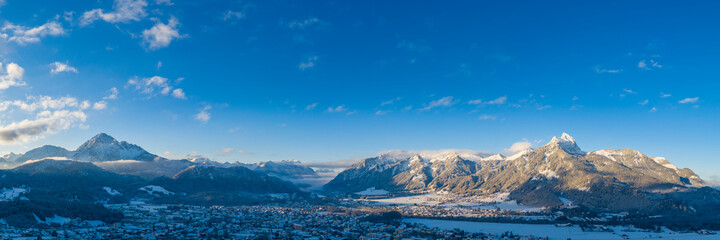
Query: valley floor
point(554, 232)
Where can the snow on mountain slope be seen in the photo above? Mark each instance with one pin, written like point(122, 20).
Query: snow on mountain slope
point(534, 177)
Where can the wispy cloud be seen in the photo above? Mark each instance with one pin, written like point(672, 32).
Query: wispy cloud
point(497, 101)
point(113, 93)
point(58, 67)
point(644, 102)
point(204, 114)
point(643, 64)
point(308, 63)
point(689, 100)
point(340, 108)
point(311, 106)
point(303, 24)
point(124, 11)
point(487, 117)
point(391, 101)
point(151, 86)
point(628, 91)
point(232, 15)
point(517, 147)
point(665, 95)
point(599, 69)
point(442, 102)
point(23, 35)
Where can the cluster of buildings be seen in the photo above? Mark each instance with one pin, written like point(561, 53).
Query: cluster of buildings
point(276, 221)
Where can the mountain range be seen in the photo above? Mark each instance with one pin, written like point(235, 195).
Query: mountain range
point(604, 180)
point(104, 169)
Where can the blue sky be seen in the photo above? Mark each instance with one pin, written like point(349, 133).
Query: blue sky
point(325, 81)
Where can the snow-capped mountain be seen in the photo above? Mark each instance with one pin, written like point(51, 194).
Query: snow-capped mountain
point(99, 148)
point(620, 180)
point(284, 169)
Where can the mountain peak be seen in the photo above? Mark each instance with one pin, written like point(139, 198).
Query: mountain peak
point(567, 143)
point(98, 140)
point(563, 138)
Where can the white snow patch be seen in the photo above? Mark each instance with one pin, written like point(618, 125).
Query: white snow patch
point(664, 162)
point(57, 220)
point(111, 191)
point(372, 192)
point(549, 173)
point(152, 189)
point(11, 194)
point(607, 154)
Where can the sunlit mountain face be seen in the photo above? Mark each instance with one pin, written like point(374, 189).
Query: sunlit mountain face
point(169, 119)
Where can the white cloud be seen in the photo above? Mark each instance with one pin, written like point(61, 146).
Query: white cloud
point(311, 106)
point(100, 105)
point(340, 108)
point(689, 100)
point(113, 93)
point(84, 104)
point(179, 94)
point(58, 67)
point(602, 70)
point(12, 77)
point(34, 103)
point(654, 109)
point(226, 151)
point(517, 147)
point(629, 91)
point(391, 101)
point(163, 2)
point(442, 102)
point(232, 15)
point(665, 95)
point(308, 63)
point(487, 117)
point(302, 24)
point(381, 112)
point(156, 85)
point(203, 115)
point(2, 3)
point(160, 35)
point(645, 102)
point(644, 64)
point(46, 122)
point(124, 11)
point(23, 35)
point(497, 101)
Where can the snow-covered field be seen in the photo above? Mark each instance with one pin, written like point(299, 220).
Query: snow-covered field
point(554, 232)
point(372, 192)
point(443, 199)
point(11, 193)
point(152, 189)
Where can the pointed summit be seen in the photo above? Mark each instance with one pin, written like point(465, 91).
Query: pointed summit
point(98, 140)
point(567, 143)
point(103, 147)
